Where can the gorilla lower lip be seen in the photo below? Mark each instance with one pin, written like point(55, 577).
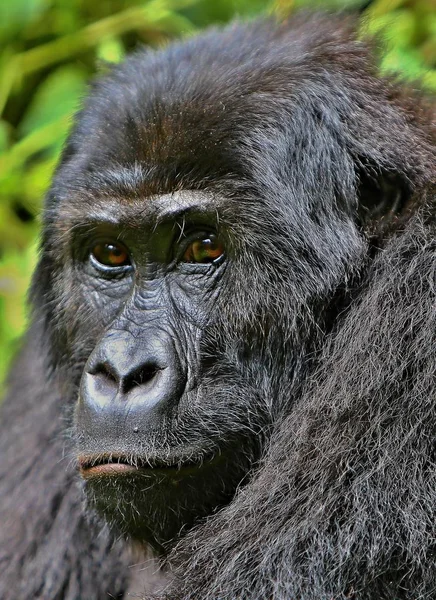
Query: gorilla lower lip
point(107, 469)
point(93, 466)
point(113, 464)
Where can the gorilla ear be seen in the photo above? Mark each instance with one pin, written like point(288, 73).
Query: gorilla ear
point(382, 195)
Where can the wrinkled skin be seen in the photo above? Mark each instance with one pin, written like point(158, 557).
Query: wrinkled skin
point(233, 319)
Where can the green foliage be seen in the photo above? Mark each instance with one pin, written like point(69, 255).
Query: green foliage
point(49, 51)
point(408, 29)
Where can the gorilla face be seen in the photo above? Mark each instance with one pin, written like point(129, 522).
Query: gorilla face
point(197, 234)
point(155, 443)
point(183, 352)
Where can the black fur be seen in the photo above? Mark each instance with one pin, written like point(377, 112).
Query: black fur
point(343, 505)
point(317, 356)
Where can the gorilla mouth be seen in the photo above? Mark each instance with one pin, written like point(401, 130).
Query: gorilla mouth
point(110, 464)
point(119, 464)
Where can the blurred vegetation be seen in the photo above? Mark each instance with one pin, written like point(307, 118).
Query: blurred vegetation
point(49, 49)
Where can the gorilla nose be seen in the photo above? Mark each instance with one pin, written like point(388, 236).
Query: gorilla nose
point(124, 370)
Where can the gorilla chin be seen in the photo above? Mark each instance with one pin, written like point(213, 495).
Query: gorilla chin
point(153, 503)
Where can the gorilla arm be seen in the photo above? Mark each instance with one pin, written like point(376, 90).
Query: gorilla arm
point(344, 505)
point(47, 549)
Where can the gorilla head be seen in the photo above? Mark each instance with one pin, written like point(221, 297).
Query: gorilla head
point(212, 210)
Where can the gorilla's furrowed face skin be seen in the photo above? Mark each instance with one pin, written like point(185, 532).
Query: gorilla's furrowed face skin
point(172, 407)
point(154, 443)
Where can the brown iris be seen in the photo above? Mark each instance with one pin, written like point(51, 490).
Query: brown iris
point(204, 250)
point(111, 254)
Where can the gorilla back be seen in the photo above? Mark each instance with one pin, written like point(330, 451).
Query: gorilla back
point(233, 318)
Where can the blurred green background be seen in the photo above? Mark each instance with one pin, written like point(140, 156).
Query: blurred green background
point(49, 50)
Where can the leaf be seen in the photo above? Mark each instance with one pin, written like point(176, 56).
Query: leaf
point(110, 50)
point(56, 97)
point(15, 270)
point(4, 136)
point(16, 14)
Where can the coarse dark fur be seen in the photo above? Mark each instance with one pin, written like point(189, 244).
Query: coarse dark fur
point(344, 503)
point(318, 355)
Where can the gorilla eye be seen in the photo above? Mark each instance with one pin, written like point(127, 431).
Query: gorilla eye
point(204, 250)
point(110, 254)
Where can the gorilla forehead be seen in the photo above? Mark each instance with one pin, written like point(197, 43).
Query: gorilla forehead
point(196, 110)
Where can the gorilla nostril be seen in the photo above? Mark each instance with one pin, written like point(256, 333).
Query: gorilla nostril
point(104, 370)
point(141, 375)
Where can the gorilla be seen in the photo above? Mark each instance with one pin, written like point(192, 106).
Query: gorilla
point(230, 364)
